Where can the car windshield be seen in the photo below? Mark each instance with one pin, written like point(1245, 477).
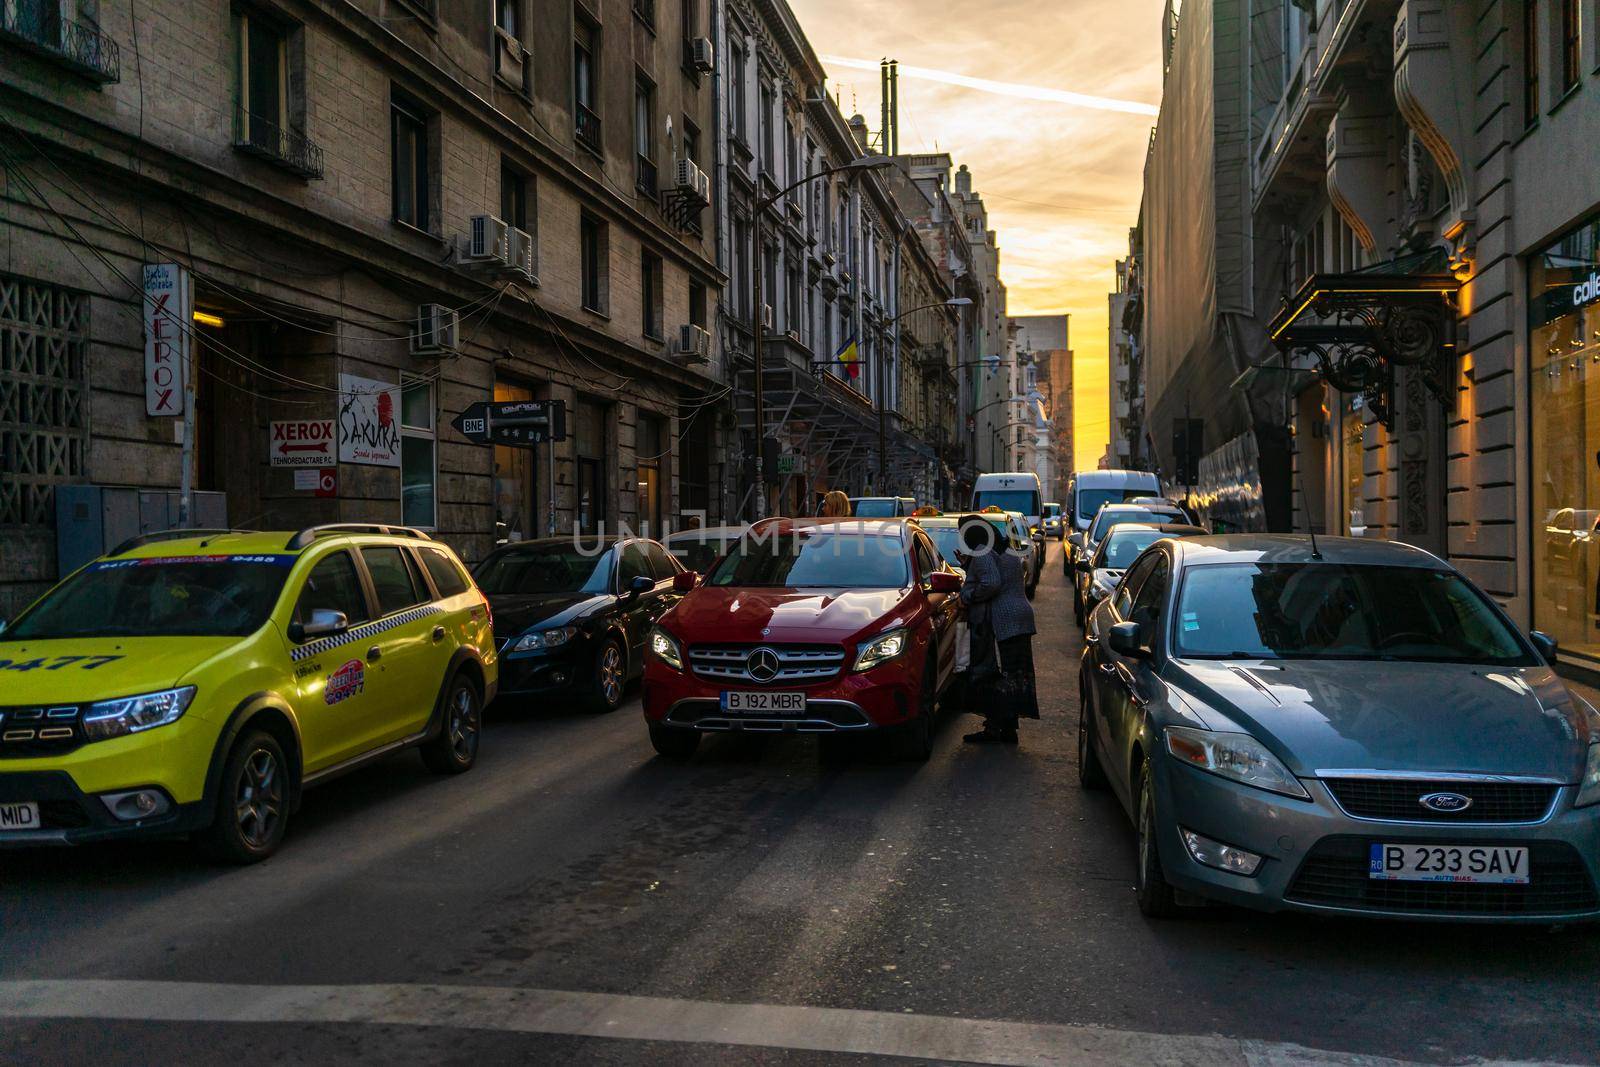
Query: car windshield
point(1025, 501)
point(1340, 611)
point(815, 558)
point(1107, 519)
point(699, 554)
point(1090, 501)
point(1052, 510)
point(876, 507)
point(563, 568)
point(1122, 547)
point(169, 596)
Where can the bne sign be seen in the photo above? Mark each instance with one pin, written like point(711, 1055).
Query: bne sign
point(167, 301)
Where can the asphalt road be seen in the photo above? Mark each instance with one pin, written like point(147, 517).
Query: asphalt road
point(574, 899)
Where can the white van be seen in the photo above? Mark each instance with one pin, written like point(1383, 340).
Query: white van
point(1010, 491)
point(1088, 490)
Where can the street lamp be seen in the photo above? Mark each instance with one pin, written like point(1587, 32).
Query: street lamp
point(757, 261)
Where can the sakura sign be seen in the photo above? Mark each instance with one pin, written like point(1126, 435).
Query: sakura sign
point(166, 337)
point(369, 421)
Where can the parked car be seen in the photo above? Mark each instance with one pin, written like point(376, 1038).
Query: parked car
point(828, 626)
point(697, 550)
point(571, 615)
point(1089, 490)
point(198, 681)
point(1099, 574)
point(1110, 515)
point(1050, 524)
point(1026, 539)
point(882, 507)
point(1345, 726)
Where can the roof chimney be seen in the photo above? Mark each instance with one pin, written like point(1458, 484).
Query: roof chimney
point(858, 130)
point(964, 181)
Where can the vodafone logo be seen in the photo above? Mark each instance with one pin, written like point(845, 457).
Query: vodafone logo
point(1586, 292)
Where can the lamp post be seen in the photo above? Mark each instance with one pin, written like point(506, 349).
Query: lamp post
point(757, 262)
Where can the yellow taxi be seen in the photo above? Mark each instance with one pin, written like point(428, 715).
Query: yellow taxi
point(197, 681)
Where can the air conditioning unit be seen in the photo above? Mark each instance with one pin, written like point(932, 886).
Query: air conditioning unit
point(702, 55)
point(695, 343)
point(488, 240)
point(524, 255)
point(705, 187)
point(510, 60)
point(435, 332)
point(767, 316)
point(691, 179)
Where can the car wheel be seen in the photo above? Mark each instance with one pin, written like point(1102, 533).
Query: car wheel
point(252, 801)
point(674, 744)
point(916, 736)
point(1156, 898)
point(610, 675)
point(1091, 775)
point(456, 748)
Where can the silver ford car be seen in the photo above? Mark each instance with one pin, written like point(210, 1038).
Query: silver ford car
point(1346, 727)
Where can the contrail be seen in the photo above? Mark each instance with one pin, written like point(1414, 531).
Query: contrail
point(984, 85)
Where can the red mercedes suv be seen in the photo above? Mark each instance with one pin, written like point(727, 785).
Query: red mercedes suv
point(825, 626)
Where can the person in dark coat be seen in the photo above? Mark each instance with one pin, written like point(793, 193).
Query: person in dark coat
point(1001, 624)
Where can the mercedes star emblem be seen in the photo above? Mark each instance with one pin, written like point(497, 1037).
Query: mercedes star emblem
point(762, 666)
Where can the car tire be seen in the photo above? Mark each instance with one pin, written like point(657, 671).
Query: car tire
point(610, 677)
point(1091, 775)
point(915, 740)
point(674, 744)
point(1156, 898)
point(455, 750)
point(252, 807)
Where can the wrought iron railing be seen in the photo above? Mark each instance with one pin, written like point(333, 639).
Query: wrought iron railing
point(647, 180)
point(587, 129)
point(37, 25)
point(261, 137)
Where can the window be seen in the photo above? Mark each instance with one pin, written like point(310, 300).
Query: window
point(927, 560)
point(592, 489)
point(644, 123)
point(263, 80)
point(691, 141)
point(652, 455)
point(690, 28)
point(332, 586)
point(650, 271)
point(505, 16)
point(417, 473)
point(1530, 62)
point(1571, 43)
point(446, 575)
point(411, 180)
point(393, 581)
point(514, 196)
point(697, 303)
point(595, 252)
point(1123, 603)
point(661, 564)
point(1148, 601)
point(697, 474)
point(645, 10)
point(631, 564)
point(736, 99)
point(586, 82)
point(792, 308)
point(765, 119)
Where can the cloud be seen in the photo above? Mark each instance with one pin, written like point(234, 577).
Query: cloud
point(1022, 92)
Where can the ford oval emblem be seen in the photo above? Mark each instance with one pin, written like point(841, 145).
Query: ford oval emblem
point(1445, 803)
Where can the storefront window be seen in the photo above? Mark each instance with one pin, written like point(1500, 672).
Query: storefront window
point(651, 453)
point(1352, 452)
point(417, 472)
point(515, 480)
point(593, 488)
point(1564, 358)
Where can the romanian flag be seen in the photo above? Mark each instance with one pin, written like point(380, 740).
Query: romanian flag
point(850, 355)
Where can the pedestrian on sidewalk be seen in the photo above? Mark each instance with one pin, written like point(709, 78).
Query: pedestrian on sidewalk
point(1000, 622)
point(835, 505)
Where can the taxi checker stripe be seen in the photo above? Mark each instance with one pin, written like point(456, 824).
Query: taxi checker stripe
point(362, 632)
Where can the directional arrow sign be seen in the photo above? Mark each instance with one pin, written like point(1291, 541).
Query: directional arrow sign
point(301, 443)
point(517, 423)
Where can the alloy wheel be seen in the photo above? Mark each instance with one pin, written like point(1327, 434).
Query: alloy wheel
point(464, 723)
point(258, 802)
point(611, 674)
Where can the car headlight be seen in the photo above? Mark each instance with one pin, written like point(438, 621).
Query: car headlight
point(534, 640)
point(1236, 756)
point(130, 715)
point(1589, 785)
point(880, 649)
point(666, 648)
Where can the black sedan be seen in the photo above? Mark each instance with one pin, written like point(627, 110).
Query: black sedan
point(571, 614)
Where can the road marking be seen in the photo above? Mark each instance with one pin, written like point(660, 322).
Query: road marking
point(606, 1015)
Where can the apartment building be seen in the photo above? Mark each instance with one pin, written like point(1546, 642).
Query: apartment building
point(347, 223)
point(1125, 449)
point(1043, 348)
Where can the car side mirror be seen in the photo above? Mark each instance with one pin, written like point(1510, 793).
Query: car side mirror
point(640, 585)
point(1075, 539)
point(1085, 566)
point(943, 582)
point(684, 581)
point(324, 622)
point(1545, 644)
point(1127, 639)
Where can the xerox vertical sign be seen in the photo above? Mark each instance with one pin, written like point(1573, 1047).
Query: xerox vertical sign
point(167, 327)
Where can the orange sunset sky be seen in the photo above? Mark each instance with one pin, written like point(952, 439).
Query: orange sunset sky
point(1061, 179)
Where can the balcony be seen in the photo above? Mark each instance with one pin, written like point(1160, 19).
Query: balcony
point(586, 127)
point(37, 26)
point(260, 137)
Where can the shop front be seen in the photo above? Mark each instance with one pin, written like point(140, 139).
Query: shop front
point(1564, 363)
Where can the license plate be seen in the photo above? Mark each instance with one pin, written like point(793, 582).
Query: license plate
point(1490, 864)
point(748, 702)
point(20, 816)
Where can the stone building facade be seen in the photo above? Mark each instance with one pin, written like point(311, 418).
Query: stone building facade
point(318, 171)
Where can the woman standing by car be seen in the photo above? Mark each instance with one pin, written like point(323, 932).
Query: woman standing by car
point(835, 505)
point(1001, 622)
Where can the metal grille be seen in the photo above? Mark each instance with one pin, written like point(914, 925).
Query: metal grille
point(39, 731)
point(796, 663)
point(38, 26)
point(260, 136)
point(1335, 875)
point(43, 356)
point(1399, 799)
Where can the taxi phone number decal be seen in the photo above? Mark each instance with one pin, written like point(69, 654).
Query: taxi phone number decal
point(55, 663)
point(270, 559)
